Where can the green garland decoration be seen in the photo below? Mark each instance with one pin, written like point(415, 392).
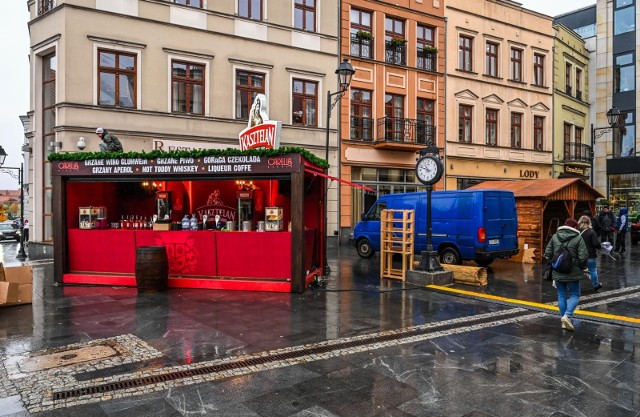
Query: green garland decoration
point(196, 153)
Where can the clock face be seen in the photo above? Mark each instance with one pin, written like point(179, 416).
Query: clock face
point(429, 169)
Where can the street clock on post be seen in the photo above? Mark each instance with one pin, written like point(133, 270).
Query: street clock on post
point(429, 169)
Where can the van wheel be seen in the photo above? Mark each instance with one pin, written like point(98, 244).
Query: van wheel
point(364, 248)
point(484, 262)
point(450, 256)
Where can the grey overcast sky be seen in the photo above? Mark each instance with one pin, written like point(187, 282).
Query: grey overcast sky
point(14, 51)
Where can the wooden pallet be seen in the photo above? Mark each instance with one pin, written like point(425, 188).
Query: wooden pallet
point(396, 238)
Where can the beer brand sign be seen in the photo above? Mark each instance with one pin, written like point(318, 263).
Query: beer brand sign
point(260, 132)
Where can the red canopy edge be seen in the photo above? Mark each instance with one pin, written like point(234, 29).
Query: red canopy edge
point(352, 184)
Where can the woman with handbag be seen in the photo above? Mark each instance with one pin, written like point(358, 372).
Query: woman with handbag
point(593, 244)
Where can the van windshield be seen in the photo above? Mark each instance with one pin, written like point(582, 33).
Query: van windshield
point(376, 211)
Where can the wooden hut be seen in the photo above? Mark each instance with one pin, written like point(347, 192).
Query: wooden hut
point(543, 205)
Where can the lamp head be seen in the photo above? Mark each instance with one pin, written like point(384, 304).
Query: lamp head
point(81, 143)
point(345, 72)
point(3, 155)
point(613, 116)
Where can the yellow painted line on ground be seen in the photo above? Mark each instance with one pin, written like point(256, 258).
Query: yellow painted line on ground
point(533, 304)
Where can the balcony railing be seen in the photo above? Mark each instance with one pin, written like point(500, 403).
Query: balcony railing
point(577, 152)
point(579, 94)
point(427, 60)
point(361, 128)
point(395, 53)
point(567, 89)
point(361, 47)
point(45, 5)
point(395, 129)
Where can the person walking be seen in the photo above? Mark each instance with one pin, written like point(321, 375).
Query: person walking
point(568, 284)
point(111, 143)
point(622, 225)
point(25, 228)
point(590, 238)
point(607, 222)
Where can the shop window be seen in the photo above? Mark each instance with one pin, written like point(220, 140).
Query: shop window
point(187, 87)
point(304, 15)
point(117, 78)
point(305, 103)
point(250, 9)
point(48, 80)
point(248, 85)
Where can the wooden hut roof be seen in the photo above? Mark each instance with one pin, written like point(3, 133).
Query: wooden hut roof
point(548, 189)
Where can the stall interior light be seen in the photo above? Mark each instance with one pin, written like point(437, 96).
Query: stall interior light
point(151, 186)
point(243, 185)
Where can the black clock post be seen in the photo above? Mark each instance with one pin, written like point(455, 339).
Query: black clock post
point(429, 170)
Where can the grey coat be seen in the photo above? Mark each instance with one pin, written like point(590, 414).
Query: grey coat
point(576, 246)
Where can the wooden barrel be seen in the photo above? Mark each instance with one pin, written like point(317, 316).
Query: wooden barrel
point(152, 268)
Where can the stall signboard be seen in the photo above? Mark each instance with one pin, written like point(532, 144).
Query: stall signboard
point(260, 132)
point(230, 165)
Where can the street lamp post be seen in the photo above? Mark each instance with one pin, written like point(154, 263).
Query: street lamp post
point(3, 155)
point(613, 118)
point(345, 72)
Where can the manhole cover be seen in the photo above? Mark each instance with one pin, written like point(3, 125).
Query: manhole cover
point(66, 358)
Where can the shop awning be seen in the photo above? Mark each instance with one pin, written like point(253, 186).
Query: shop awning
point(349, 183)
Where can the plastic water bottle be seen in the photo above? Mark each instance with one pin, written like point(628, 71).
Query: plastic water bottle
point(194, 222)
point(185, 222)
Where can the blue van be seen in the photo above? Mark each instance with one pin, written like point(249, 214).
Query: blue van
point(479, 225)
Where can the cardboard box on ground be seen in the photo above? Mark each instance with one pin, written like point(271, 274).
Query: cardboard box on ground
point(15, 285)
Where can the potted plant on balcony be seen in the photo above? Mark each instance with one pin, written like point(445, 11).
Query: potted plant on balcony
point(398, 42)
point(429, 49)
point(363, 34)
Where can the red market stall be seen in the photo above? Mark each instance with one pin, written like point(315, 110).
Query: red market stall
point(254, 219)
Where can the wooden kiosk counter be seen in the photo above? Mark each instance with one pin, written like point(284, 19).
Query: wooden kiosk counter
point(256, 218)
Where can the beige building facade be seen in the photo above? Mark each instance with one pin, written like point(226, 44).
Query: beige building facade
point(499, 93)
point(572, 152)
point(175, 75)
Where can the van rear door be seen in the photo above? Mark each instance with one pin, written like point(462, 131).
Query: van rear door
point(500, 221)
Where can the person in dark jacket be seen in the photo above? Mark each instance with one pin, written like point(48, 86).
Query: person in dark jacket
point(595, 224)
point(110, 142)
point(568, 283)
point(590, 238)
point(622, 226)
point(607, 223)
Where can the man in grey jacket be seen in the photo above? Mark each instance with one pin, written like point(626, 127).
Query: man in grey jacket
point(111, 143)
point(568, 283)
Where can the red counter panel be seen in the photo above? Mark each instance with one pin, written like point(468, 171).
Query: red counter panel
point(262, 255)
point(108, 251)
point(189, 253)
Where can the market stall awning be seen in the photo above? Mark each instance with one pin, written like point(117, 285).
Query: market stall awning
point(349, 183)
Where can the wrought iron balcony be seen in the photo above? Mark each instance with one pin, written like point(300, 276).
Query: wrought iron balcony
point(427, 60)
point(361, 128)
point(45, 5)
point(395, 53)
point(579, 94)
point(395, 130)
point(361, 47)
point(577, 152)
point(567, 89)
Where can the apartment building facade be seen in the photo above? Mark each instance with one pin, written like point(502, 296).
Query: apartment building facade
point(396, 101)
point(572, 152)
point(610, 30)
point(175, 74)
point(499, 93)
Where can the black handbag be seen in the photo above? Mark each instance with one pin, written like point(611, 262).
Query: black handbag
point(547, 273)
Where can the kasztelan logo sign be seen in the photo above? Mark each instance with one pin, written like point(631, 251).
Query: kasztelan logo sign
point(261, 132)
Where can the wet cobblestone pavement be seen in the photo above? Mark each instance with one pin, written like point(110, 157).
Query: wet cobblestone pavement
point(355, 346)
